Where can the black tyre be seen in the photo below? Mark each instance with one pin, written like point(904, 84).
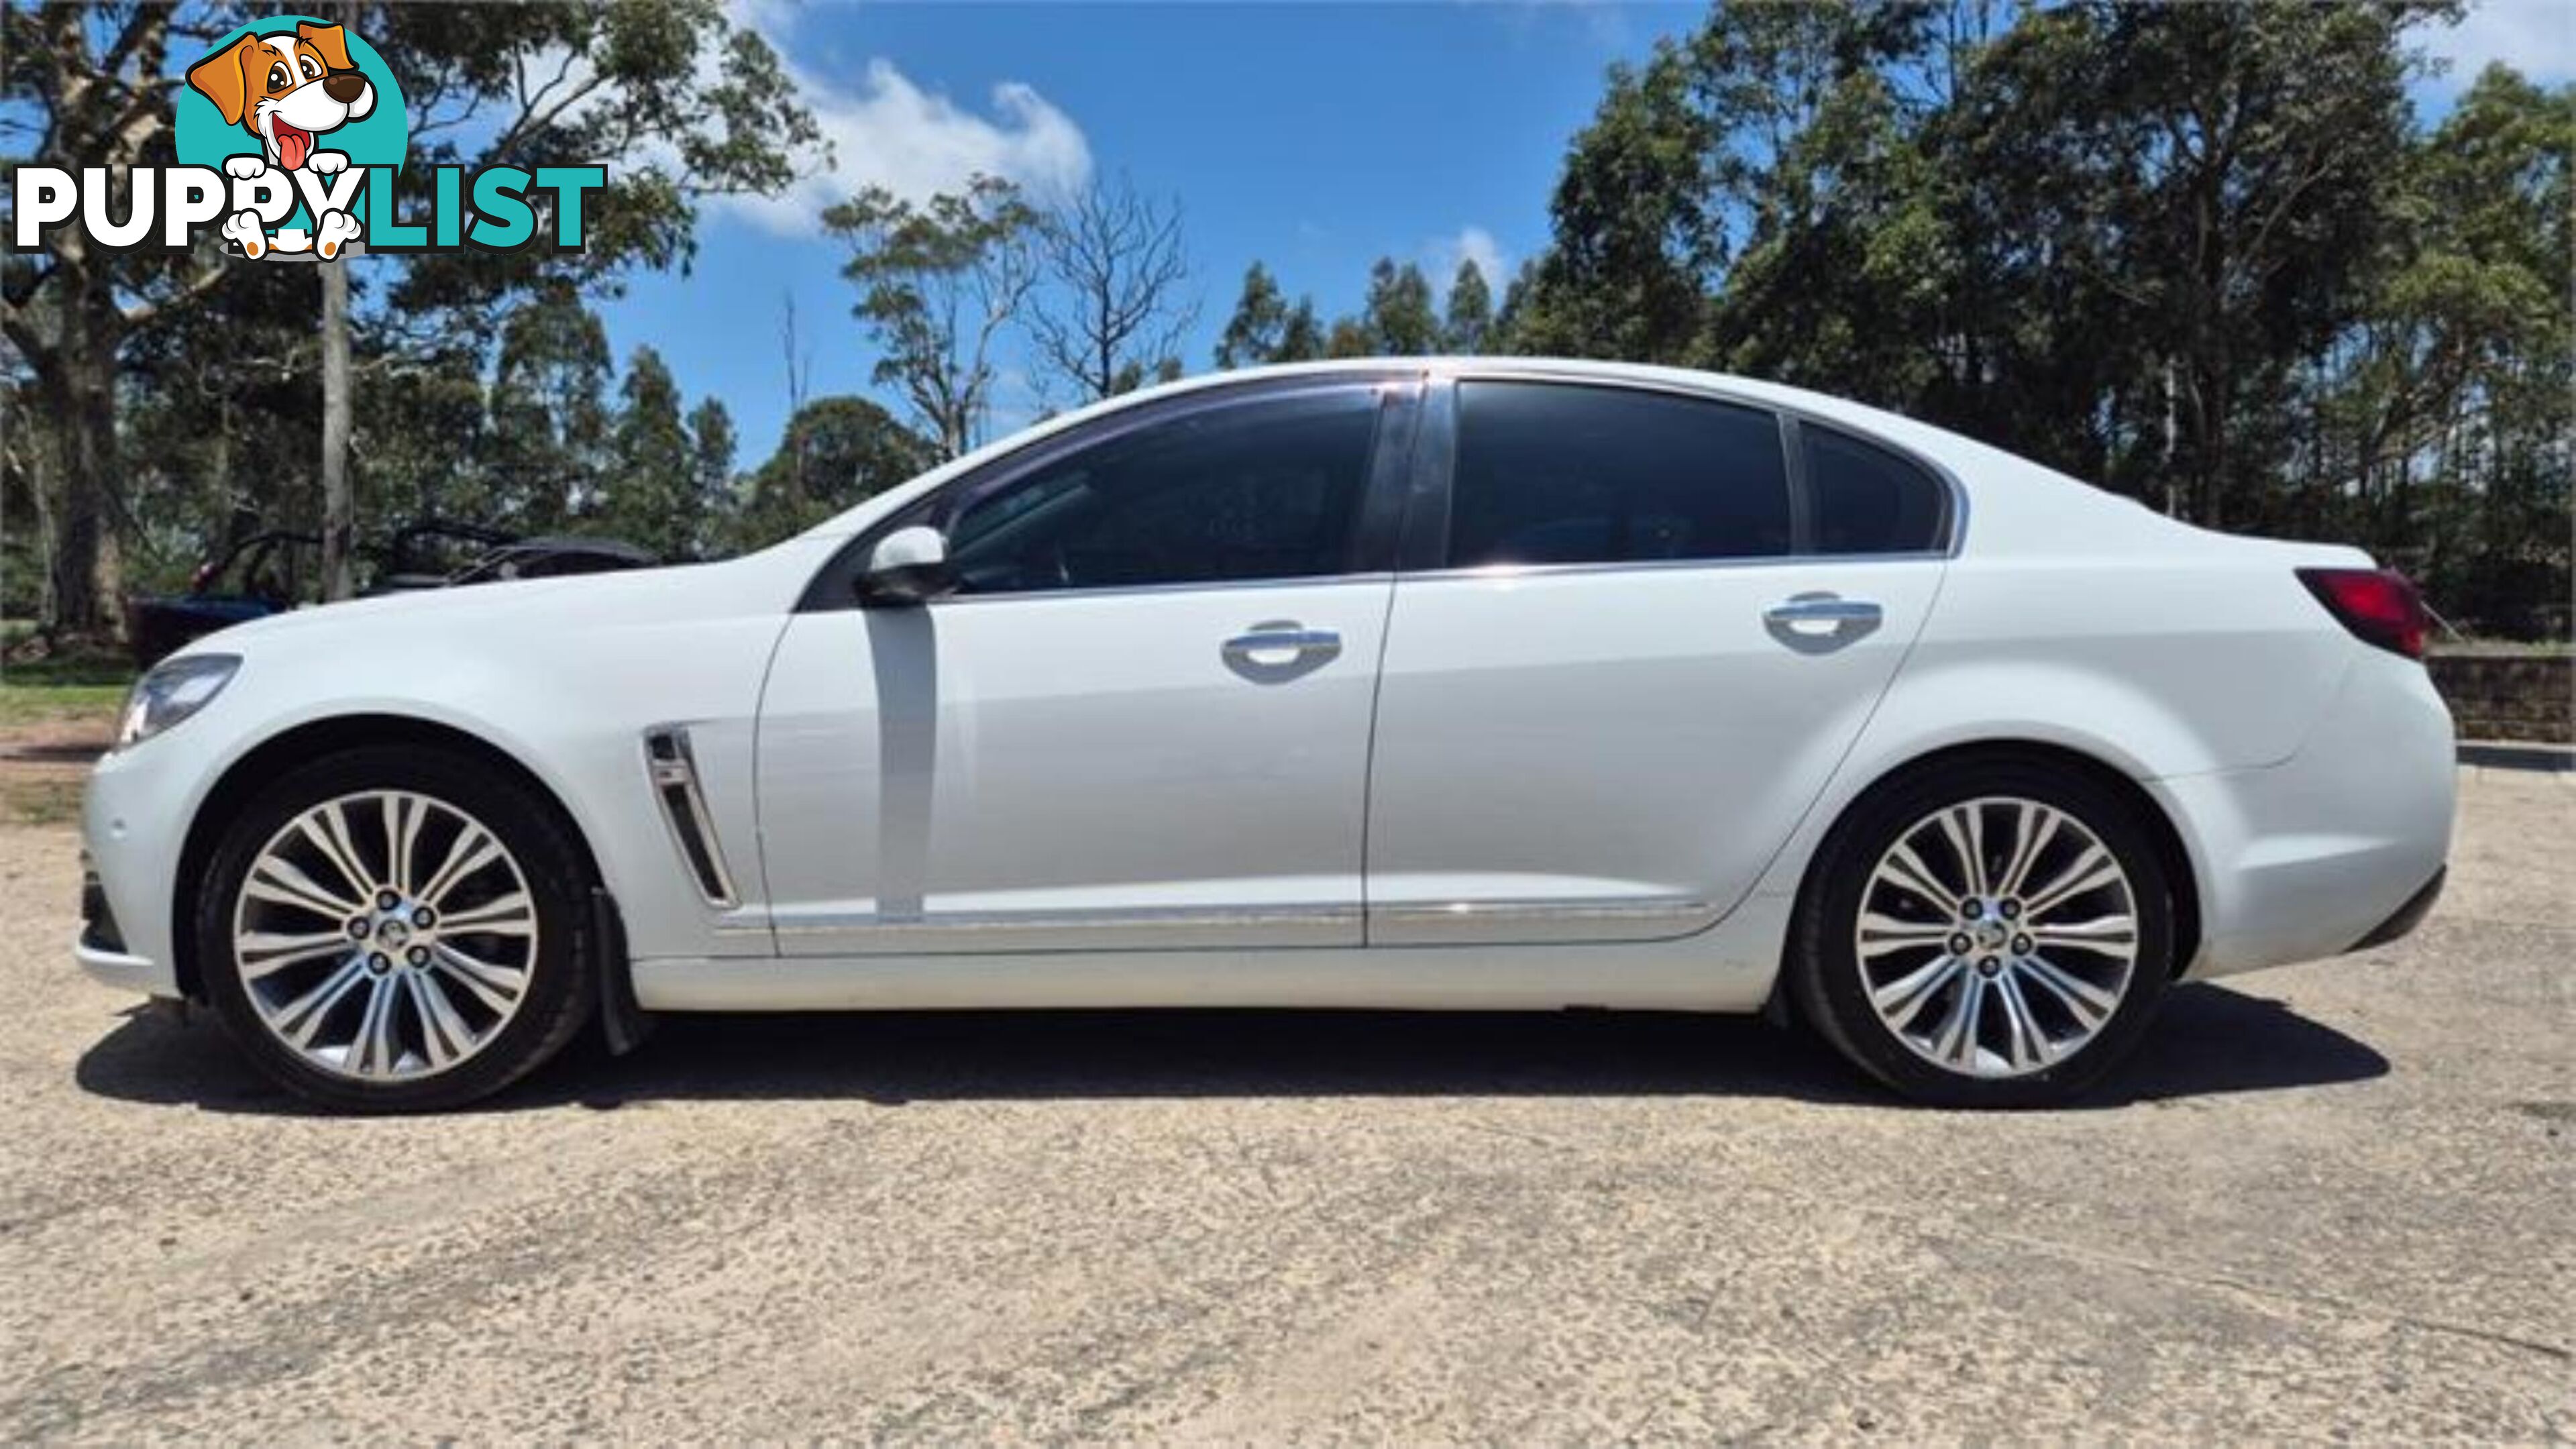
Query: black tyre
point(397, 929)
point(1986, 933)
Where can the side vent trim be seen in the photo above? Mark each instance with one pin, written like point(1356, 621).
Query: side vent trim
point(674, 772)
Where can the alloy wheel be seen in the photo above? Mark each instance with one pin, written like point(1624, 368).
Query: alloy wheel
point(1997, 937)
point(385, 935)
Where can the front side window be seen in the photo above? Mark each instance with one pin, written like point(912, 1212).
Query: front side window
point(1867, 499)
point(1556, 473)
point(1263, 489)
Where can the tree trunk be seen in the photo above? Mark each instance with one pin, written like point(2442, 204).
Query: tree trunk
point(80, 392)
point(339, 515)
point(41, 490)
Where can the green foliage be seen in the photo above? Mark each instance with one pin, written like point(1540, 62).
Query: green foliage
point(1301, 337)
point(650, 492)
point(1266, 328)
point(676, 101)
point(937, 283)
point(1252, 335)
point(172, 401)
point(1398, 318)
point(1350, 337)
point(1637, 245)
point(1469, 325)
point(838, 452)
point(711, 482)
point(2200, 254)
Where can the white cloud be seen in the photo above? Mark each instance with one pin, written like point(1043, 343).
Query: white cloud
point(886, 130)
point(2536, 37)
point(1471, 244)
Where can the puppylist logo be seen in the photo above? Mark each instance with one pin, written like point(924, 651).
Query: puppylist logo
point(291, 139)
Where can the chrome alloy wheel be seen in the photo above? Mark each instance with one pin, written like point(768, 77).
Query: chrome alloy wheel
point(1997, 937)
point(385, 935)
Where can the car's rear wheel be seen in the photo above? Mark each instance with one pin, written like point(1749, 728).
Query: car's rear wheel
point(1990, 932)
point(396, 929)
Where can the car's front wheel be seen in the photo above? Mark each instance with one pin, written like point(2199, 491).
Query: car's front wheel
point(1990, 932)
point(396, 929)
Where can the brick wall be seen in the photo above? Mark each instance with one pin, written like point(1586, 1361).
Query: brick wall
point(2498, 695)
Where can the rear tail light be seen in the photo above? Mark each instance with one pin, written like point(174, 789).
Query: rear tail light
point(2379, 606)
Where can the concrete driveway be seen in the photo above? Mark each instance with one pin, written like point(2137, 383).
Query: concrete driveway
point(2331, 1201)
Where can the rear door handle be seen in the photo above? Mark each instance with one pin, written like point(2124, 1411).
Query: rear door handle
point(1820, 623)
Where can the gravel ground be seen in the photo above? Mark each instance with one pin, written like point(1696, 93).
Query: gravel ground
point(2329, 1201)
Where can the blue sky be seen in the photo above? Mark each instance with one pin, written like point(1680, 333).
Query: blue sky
point(1314, 137)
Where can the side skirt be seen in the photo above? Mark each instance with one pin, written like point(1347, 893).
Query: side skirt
point(1727, 969)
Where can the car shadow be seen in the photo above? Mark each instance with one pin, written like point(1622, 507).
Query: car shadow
point(2210, 1041)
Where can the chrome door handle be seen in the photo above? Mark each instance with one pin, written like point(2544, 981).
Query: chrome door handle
point(1823, 609)
point(1281, 638)
point(1820, 622)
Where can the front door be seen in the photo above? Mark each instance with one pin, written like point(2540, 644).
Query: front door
point(1141, 721)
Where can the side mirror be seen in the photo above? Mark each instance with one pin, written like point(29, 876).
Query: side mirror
point(908, 566)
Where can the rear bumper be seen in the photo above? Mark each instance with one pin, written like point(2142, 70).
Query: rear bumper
point(2408, 916)
point(2301, 860)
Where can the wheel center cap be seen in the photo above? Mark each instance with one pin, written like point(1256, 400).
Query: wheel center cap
point(1991, 934)
point(393, 933)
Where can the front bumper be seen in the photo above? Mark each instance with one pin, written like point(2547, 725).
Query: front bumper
point(131, 840)
point(101, 949)
point(126, 972)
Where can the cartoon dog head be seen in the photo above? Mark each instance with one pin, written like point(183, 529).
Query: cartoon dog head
point(286, 89)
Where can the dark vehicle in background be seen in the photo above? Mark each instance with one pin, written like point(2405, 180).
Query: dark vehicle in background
point(440, 555)
point(269, 573)
point(263, 574)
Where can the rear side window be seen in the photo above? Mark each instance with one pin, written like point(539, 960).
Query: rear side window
point(1865, 499)
point(1552, 473)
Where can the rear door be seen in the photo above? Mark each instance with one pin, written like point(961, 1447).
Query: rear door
point(1639, 640)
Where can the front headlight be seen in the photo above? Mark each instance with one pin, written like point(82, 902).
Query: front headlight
point(173, 690)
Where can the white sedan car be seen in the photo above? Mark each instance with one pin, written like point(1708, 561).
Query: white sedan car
point(1451, 684)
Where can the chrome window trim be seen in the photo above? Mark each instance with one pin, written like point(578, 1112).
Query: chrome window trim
point(1112, 591)
point(940, 506)
point(1438, 377)
point(1954, 521)
point(1491, 573)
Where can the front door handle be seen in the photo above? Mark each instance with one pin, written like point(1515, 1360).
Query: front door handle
point(1282, 641)
point(1823, 609)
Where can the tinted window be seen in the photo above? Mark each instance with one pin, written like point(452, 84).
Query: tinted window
point(1866, 499)
point(1258, 490)
point(1549, 473)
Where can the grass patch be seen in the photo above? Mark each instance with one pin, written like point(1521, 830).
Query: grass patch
point(41, 704)
point(40, 800)
point(101, 670)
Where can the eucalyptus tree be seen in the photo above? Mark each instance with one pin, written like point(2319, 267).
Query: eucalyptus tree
point(1468, 323)
point(938, 282)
